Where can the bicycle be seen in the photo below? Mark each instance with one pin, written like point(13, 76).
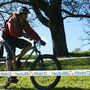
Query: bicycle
point(42, 62)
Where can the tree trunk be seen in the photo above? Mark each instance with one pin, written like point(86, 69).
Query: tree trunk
point(58, 39)
point(57, 29)
point(55, 23)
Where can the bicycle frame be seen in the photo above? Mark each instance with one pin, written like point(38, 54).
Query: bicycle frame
point(33, 48)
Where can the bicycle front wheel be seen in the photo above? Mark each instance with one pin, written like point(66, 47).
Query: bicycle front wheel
point(45, 62)
point(3, 79)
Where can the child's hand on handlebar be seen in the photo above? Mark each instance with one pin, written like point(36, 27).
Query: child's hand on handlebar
point(41, 42)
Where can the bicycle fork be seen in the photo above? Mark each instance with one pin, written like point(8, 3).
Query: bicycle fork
point(40, 62)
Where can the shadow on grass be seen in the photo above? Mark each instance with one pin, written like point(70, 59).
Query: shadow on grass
point(67, 88)
point(19, 89)
point(77, 54)
point(46, 89)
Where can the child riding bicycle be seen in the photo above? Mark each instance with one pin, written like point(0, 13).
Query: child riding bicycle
point(13, 29)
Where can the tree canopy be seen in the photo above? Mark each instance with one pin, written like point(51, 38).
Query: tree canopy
point(44, 8)
point(51, 13)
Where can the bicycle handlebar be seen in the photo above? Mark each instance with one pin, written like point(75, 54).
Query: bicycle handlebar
point(30, 38)
point(41, 42)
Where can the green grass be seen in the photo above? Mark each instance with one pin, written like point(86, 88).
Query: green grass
point(73, 54)
point(66, 82)
point(80, 53)
point(75, 64)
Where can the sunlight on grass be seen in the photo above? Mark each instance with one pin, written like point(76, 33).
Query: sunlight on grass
point(65, 83)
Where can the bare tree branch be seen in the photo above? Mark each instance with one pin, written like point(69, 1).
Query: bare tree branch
point(4, 3)
point(40, 16)
point(23, 2)
point(74, 15)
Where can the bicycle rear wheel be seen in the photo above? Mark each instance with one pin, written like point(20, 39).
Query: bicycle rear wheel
point(45, 62)
point(3, 79)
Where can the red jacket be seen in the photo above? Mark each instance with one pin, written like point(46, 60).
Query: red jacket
point(13, 31)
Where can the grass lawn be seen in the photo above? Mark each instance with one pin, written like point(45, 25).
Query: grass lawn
point(66, 82)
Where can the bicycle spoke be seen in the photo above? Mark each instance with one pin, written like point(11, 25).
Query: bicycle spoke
point(45, 63)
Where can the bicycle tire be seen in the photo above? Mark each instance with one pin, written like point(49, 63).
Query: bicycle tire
point(3, 79)
point(38, 84)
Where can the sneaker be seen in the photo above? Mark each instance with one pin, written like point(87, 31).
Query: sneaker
point(12, 80)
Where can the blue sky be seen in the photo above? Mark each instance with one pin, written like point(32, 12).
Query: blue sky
point(73, 30)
